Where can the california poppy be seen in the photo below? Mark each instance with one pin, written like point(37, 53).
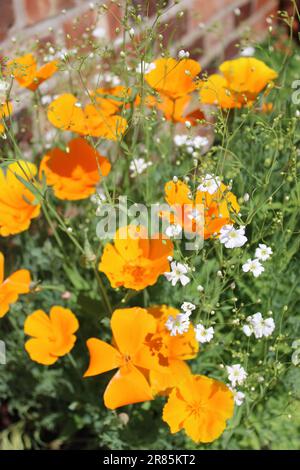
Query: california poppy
point(171, 351)
point(52, 336)
point(129, 354)
point(239, 85)
point(67, 114)
point(26, 72)
point(5, 111)
point(215, 210)
point(74, 173)
point(201, 406)
point(11, 287)
point(17, 202)
point(134, 260)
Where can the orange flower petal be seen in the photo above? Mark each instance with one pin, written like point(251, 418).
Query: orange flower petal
point(127, 386)
point(39, 351)
point(103, 357)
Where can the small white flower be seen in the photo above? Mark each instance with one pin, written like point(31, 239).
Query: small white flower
point(200, 142)
point(231, 237)
point(188, 308)
point(188, 125)
point(178, 273)
point(263, 252)
point(131, 33)
point(204, 335)
point(145, 67)
point(138, 166)
point(246, 197)
point(259, 326)
point(238, 396)
point(182, 54)
point(209, 184)
point(247, 51)
point(180, 139)
point(173, 231)
point(178, 325)
point(236, 374)
point(254, 266)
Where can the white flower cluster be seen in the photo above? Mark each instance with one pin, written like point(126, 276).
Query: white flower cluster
point(259, 326)
point(231, 237)
point(192, 144)
point(209, 183)
point(262, 253)
point(236, 376)
point(181, 323)
point(204, 335)
point(178, 273)
point(182, 54)
point(138, 166)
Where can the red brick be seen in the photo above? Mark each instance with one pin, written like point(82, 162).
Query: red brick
point(260, 3)
point(38, 10)
point(149, 7)
point(173, 29)
point(77, 31)
point(205, 10)
point(114, 18)
point(196, 48)
point(7, 17)
point(245, 13)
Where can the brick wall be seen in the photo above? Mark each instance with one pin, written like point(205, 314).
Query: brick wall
point(211, 30)
point(208, 28)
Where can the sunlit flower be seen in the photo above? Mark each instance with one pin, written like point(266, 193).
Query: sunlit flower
point(5, 112)
point(188, 307)
point(74, 174)
point(263, 252)
point(238, 396)
point(209, 183)
point(25, 71)
point(145, 67)
point(201, 406)
point(259, 326)
point(254, 266)
point(52, 336)
point(11, 287)
point(204, 335)
point(130, 355)
point(213, 210)
point(178, 325)
point(67, 114)
point(236, 374)
point(231, 237)
point(178, 273)
point(17, 202)
point(134, 260)
point(138, 166)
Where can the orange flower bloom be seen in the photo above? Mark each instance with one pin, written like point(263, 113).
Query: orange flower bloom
point(112, 99)
point(27, 74)
point(75, 173)
point(11, 287)
point(200, 406)
point(218, 207)
point(174, 81)
point(5, 111)
point(66, 114)
point(173, 78)
point(130, 327)
point(52, 335)
point(17, 202)
point(135, 261)
point(171, 351)
point(242, 80)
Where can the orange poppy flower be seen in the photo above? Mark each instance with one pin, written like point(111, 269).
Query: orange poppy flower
point(201, 406)
point(11, 287)
point(5, 111)
point(17, 202)
point(52, 336)
point(130, 355)
point(171, 351)
point(66, 114)
point(135, 261)
point(217, 208)
point(173, 78)
point(27, 74)
point(239, 85)
point(112, 99)
point(75, 173)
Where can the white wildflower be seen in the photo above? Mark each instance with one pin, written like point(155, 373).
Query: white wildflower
point(259, 326)
point(178, 273)
point(254, 266)
point(231, 237)
point(138, 166)
point(182, 54)
point(188, 308)
point(204, 335)
point(178, 325)
point(263, 252)
point(209, 183)
point(173, 231)
point(236, 374)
